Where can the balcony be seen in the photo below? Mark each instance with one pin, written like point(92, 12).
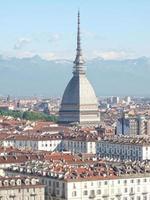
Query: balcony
point(33, 195)
point(12, 196)
point(105, 196)
point(144, 192)
point(92, 196)
point(63, 196)
point(53, 194)
point(132, 193)
point(118, 195)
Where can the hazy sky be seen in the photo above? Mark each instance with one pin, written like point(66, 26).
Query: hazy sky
point(112, 29)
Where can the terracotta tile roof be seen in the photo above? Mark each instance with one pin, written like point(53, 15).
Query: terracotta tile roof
point(20, 158)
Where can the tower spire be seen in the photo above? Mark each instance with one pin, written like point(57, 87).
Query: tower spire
point(78, 34)
point(79, 61)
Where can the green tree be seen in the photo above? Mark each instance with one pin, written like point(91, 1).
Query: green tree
point(28, 115)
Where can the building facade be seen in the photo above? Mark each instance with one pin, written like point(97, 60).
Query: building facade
point(118, 147)
point(124, 148)
point(99, 181)
point(80, 146)
point(132, 126)
point(21, 188)
point(50, 143)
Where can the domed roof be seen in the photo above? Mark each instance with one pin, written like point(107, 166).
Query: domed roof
point(79, 103)
point(79, 91)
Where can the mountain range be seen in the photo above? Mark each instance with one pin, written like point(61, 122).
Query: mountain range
point(36, 76)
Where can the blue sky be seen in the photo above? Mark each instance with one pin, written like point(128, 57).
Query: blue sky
point(112, 29)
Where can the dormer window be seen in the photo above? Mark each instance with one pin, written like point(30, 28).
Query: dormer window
point(33, 181)
point(27, 181)
point(12, 182)
point(6, 183)
point(18, 182)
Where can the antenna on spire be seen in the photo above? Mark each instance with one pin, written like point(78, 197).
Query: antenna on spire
point(79, 61)
point(78, 34)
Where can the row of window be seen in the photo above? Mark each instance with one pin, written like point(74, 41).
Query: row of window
point(110, 150)
point(86, 192)
point(93, 193)
point(125, 182)
point(51, 183)
point(115, 146)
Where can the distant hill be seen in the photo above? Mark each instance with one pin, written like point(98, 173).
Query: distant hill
point(35, 76)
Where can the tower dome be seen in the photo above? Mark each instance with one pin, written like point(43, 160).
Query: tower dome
point(79, 103)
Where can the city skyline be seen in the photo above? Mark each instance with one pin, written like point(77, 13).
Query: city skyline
point(74, 100)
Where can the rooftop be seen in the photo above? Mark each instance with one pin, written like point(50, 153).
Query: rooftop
point(98, 170)
point(128, 140)
point(19, 182)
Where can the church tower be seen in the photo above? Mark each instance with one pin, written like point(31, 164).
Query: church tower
point(79, 103)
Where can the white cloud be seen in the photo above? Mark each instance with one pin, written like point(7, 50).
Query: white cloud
point(113, 55)
point(18, 54)
point(47, 55)
point(21, 42)
point(28, 54)
point(24, 54)
point(54, 37)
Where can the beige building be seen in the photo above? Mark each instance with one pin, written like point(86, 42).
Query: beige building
point(45, 143)
point(98, 180)
point(21, 188)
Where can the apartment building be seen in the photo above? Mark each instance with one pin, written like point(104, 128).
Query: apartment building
point(39, 142)
point(99, 180)
point(133, 125)
point(124, 148)
point(21, 188)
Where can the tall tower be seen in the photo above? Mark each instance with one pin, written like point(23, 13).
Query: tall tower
point(79, 103)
